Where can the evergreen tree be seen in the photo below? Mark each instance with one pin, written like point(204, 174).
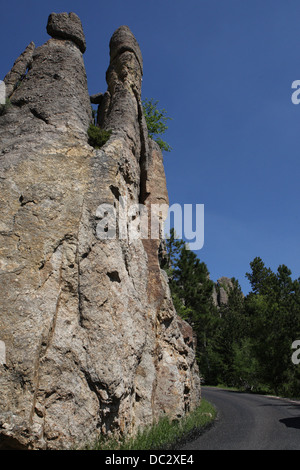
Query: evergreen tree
point(247, 341)
point(274, 309)
point(229, 340)
point(191, 291)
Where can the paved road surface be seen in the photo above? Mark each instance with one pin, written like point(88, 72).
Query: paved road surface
point(250, 422)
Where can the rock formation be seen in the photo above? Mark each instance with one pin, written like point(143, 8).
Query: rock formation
point(221, 291)
point(90, 341)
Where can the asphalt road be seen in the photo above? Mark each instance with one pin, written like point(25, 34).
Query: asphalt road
point(249, 422)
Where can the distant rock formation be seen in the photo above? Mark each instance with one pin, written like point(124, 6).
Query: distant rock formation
point(221, 291)
point(90, 341)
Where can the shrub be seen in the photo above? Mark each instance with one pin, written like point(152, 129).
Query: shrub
point(156, 120)
point(98, 137)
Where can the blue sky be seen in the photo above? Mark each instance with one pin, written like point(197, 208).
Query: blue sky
point(223, 70)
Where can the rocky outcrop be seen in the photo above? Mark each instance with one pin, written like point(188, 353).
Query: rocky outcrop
point(67, 26)
point(221, 291)
point(90, 341)
point(19, 70)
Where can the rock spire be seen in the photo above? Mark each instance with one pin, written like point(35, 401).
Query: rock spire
point(90, 342)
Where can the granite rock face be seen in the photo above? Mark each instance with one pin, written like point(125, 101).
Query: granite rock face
point(90, 341)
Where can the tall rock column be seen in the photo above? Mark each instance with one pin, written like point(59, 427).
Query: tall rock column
point(90, 342)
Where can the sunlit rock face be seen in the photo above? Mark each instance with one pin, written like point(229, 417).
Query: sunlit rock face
point(90, 341)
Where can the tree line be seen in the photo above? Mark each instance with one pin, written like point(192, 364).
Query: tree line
point(247, 341)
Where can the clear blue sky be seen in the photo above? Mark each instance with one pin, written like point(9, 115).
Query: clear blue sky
point(223, 70)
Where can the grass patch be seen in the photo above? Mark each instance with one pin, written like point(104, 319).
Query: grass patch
point(166, 434)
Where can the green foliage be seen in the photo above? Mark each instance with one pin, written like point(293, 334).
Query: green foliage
point(98, 137)
point(245, 343)
point(251, 347)
point(261, 278)
point(156, 120)
point(244, 365)
point(274, 311)
point(164, 434)
point(191, 291)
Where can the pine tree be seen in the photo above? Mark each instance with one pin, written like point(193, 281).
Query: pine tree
point(274, 310)
point(191, 291)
